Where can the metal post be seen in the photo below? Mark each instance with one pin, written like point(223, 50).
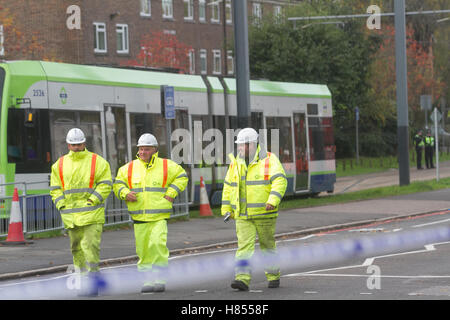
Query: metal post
point(242, 63)
point(357, 134)
point(402, 92)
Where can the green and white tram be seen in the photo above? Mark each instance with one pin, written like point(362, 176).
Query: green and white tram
point(41, 101)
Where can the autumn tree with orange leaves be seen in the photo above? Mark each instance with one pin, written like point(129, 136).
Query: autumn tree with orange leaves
point(16, 44)
point(422, 79)
point(161, 50)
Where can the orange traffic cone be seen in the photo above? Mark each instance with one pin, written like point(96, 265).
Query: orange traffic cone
point(15, 232)
point(205, 209)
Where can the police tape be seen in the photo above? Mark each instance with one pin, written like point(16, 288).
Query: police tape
point(208, 268)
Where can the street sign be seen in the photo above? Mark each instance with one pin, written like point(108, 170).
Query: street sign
point(169, 102)
point(425, 102)
point(438, 115)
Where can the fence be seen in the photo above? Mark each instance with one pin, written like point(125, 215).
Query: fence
point(40, 214)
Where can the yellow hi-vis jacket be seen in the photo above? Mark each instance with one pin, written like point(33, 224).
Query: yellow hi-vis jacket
point(247, 190)
point(152, 181)
point(76, 178)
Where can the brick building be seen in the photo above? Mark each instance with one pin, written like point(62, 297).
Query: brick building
point(110, 32)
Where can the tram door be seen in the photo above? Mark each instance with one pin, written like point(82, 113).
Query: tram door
point(116, 137)
point(301, 152)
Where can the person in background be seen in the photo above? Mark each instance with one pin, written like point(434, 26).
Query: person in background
point(419, 144)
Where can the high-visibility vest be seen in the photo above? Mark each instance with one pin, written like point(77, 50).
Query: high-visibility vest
point(247, 190)
point(151, 182)
point(76, 178)
point(429, 141)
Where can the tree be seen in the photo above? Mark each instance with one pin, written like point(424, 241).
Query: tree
point(16, 44)
point(160, 50)
point(335, 55)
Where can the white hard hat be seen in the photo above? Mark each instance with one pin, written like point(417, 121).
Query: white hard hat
point(75, 136)
point(247, 135)
point(147, 140)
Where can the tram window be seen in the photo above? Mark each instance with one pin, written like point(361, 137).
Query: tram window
point(62, 121)
point(321, 139)
point(313, 109)
point(90, 124)
point(283, 124)
point(220, 124)
point(152, 123)
point(198, 141)
point(28, 145)
point(257, 121)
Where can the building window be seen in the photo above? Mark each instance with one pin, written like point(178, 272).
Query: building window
point(188, 9)
point(2, 39)
point(167, 9)
point(202, 10)
point(100, 45)
point(146, 8)
point(191, 56)
point(230, 62)
point(257, 13)
point(203, 62)
point(277, 11)
point(228, 12)
point(217, 62)
point(122, 38)
point(215, 11)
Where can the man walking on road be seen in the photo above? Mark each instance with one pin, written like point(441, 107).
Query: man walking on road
point(79, 185)
point(254, 185)
point(149, 186)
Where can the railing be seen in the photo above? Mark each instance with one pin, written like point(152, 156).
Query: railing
point(40, 214)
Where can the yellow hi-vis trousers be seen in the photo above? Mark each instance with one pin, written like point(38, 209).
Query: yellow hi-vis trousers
point(246, 231)
point(151, 248)
point(85, 246)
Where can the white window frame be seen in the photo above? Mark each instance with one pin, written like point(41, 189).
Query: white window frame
point(217, 61)
point(189, 5)
point(202, 10)
point(191, 56)
point(98, 26)
point(257, 12)
point(230, 61)
point(2, 41)
point(277, 11)
point(167, 9)
point(146, 8)
point(229, 9)
point(215, 7)
point(123, 30)
point(203, 56)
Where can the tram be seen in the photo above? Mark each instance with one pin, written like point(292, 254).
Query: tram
point(40, 101)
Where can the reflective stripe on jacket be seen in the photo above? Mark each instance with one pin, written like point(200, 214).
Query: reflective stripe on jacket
point(151, 181)
point(246, 191)
point(76, 178)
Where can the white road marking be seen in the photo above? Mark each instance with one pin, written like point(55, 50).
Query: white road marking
point(430, 223)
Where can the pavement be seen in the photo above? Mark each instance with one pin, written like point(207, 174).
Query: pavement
point(52, 255)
